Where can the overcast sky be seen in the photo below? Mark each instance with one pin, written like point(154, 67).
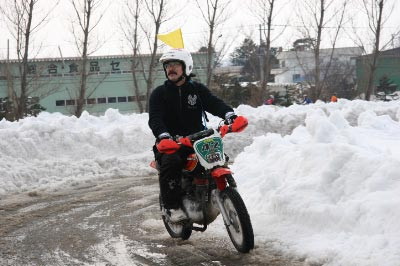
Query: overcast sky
point(241, 23)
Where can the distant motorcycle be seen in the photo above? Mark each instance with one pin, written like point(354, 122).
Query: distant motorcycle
point(210, 189)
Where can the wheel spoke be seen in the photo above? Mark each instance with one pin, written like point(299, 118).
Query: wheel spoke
point(235, 227)
point(234, 220)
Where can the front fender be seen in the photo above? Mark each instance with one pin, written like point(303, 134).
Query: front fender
point(219, 176)
point(220, 171)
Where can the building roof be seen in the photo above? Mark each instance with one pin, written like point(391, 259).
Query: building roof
point(386, 53)
point(392, 52)
point(228, 70)
point(349, 51)
point(78, 58)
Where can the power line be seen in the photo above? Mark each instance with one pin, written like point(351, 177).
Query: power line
point(288, 25)
point(255, 26)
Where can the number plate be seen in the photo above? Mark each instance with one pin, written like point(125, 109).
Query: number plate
point(210, 151)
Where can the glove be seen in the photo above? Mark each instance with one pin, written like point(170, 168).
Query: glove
point(239, 124)
point(186, 141)
point(223, 130)
point(229, 118)
point(167, 146)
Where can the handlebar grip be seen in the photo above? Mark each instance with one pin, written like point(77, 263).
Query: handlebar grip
point(201, 134)
point(225, 129)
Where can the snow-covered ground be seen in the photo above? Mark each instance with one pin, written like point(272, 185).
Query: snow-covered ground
point(321, 181)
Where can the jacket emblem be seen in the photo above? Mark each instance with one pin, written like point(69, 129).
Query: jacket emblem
point(192, 99)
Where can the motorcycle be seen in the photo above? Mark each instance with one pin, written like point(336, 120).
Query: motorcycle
point(209, 190)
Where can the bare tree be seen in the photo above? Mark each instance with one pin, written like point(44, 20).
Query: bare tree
point(373, 39)
point(141, 34)
point(374, 11)
point(215, 14)
point(20, 15)
point(313, 30)
point(130, 31)
point(82, 34)
point(264, 11)
point(157, 10)
point(341, 80)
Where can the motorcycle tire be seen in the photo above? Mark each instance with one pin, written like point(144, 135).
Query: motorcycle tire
point(181, 230)
point(240, 230)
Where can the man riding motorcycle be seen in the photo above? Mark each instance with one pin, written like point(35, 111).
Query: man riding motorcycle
point(178, 108)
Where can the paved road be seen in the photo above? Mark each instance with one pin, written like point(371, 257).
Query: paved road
point(115, 222)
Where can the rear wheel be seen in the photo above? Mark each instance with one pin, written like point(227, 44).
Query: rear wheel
point(181, 229)
point(240, 229)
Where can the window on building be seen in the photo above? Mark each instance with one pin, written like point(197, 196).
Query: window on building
point(122, 99)
point(3, 104)
point(142, 97)
point(91, 101)
point(70, 102)
point(296, 77)
point(73, 68)
point(60, 103)
point(131, 98)
point(101, 100)
point(32, 69)
point(283, 63)
point(112, 99)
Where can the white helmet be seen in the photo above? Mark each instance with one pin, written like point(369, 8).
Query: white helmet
point(180, 55)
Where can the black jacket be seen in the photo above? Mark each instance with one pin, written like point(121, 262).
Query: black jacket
point(179, 110)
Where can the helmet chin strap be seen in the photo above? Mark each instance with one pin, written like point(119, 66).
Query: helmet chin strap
point(179, 79)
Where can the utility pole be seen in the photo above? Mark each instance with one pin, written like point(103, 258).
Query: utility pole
point(10, 86)
point(62, 58)
point(9, 92)
point(261, 57)
point(8, 50)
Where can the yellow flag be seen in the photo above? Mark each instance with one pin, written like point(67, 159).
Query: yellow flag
point(173, 39)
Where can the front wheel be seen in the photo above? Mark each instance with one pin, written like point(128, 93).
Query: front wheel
point(239, 228)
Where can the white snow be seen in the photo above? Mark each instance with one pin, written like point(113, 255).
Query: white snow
point(320, 181)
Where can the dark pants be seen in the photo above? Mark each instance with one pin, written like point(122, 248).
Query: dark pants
point(170, 167)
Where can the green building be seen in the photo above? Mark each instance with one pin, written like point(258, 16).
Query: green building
point(388, 67)
point(54, 83)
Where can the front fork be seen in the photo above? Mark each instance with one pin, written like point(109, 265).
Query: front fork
point(217, 194)
point(219, 175)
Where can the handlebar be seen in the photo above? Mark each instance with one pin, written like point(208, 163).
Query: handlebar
point(201, 134)
point(238, 125)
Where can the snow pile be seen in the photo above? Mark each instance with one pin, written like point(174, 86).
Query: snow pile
point(329, 190)
point(54, 150)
